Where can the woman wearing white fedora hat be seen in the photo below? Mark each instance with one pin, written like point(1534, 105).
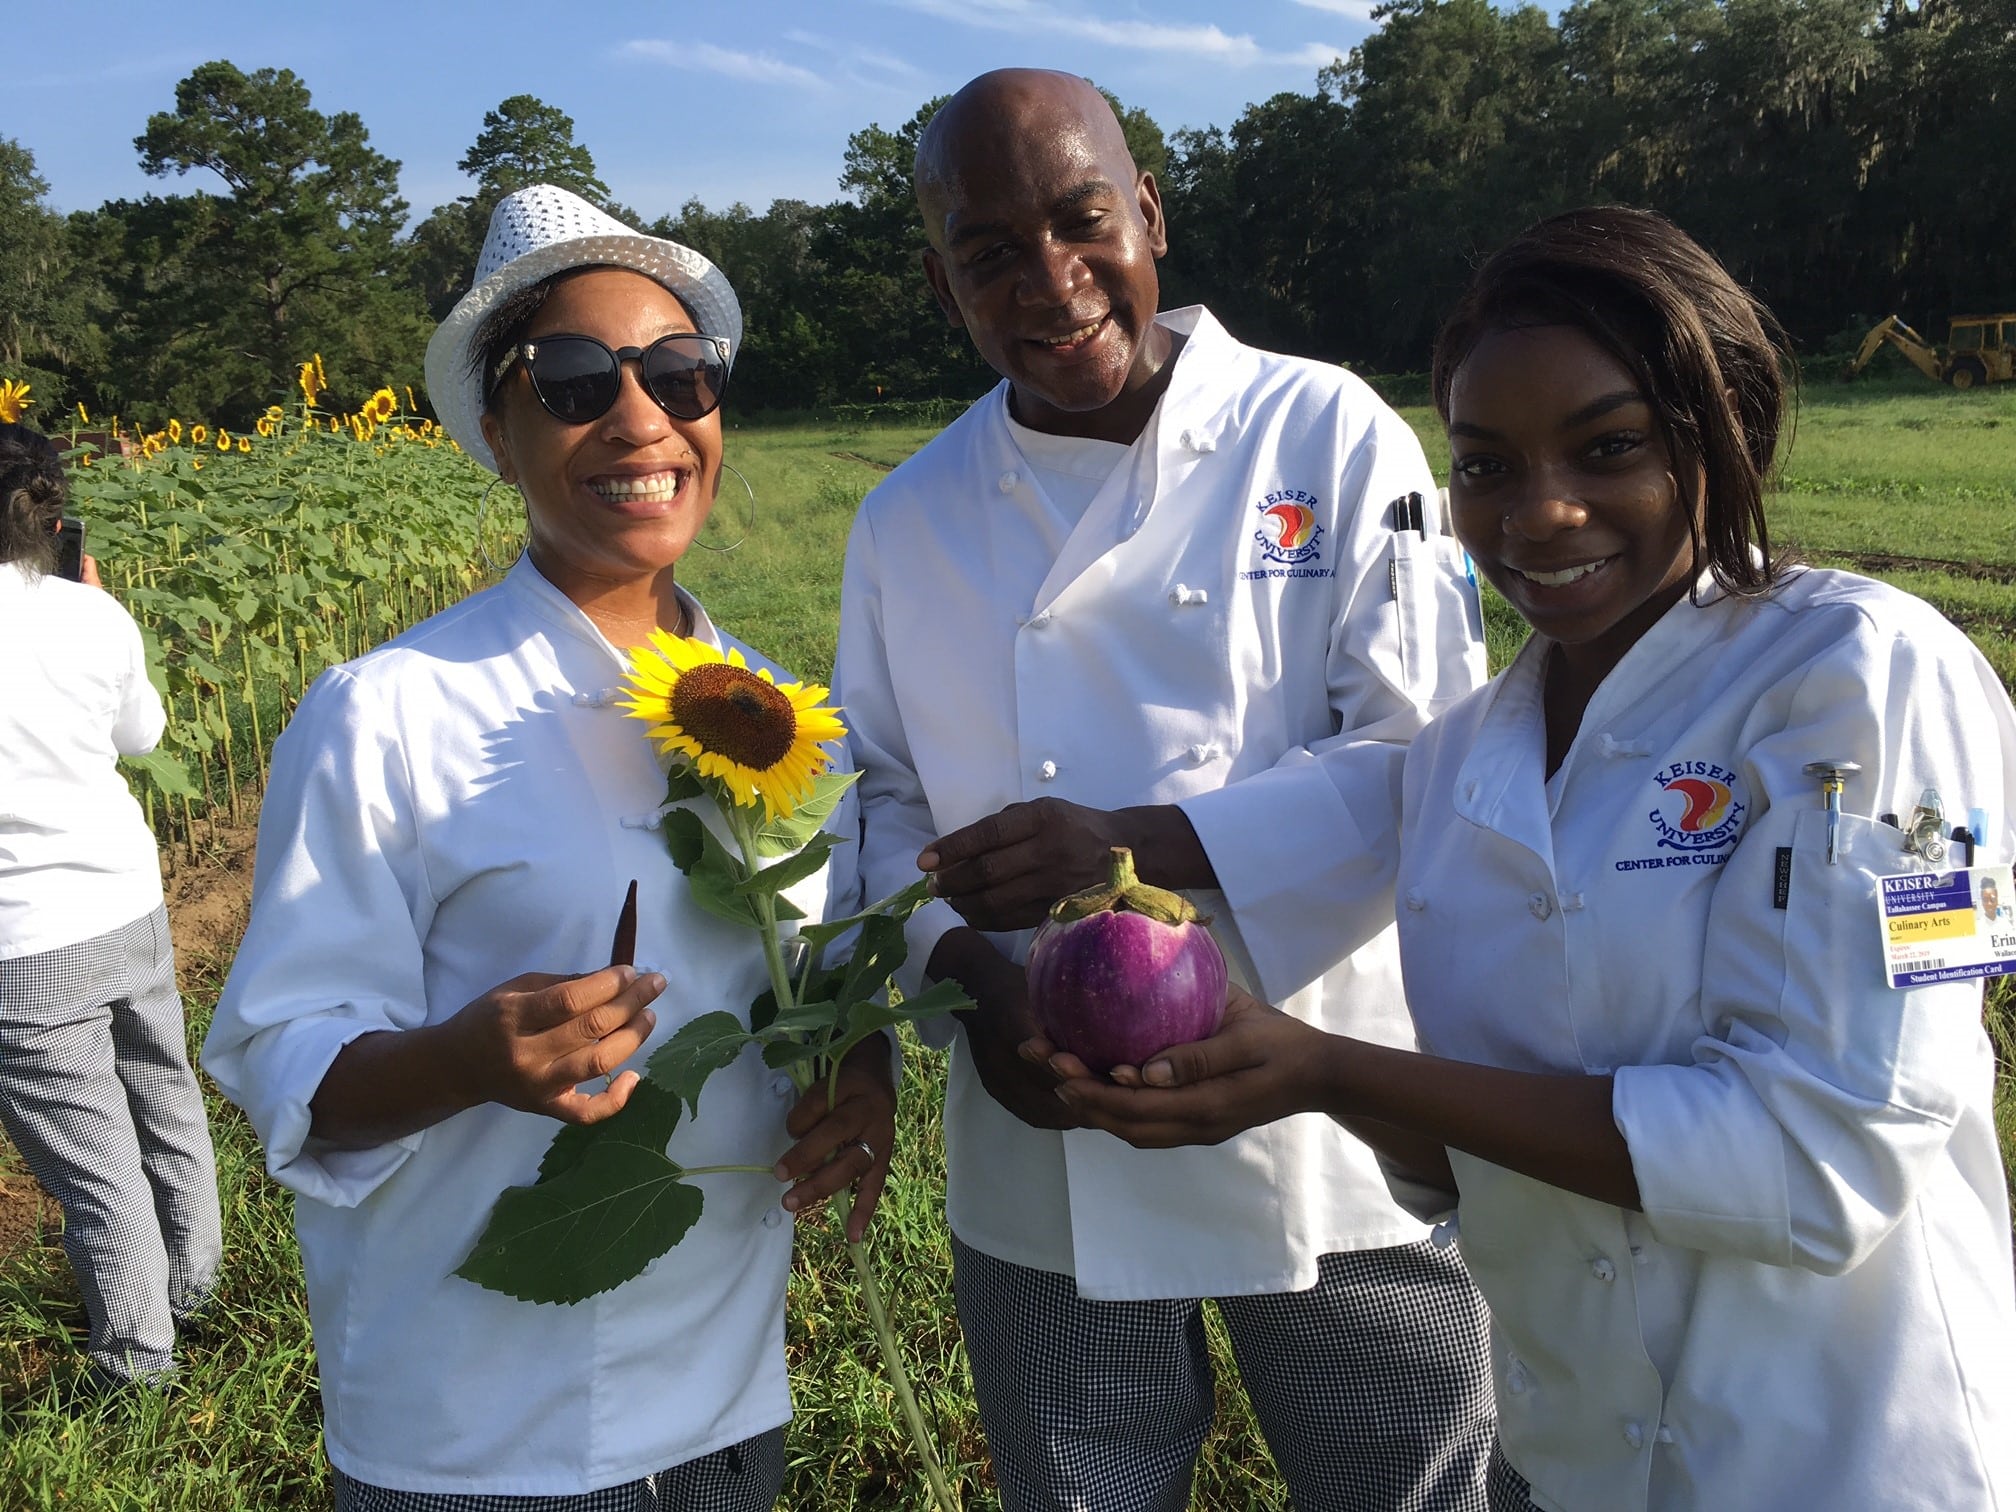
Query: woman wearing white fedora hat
point(447, 835)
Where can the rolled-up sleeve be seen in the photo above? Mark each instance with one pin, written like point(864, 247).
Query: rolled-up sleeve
point(1819, 1096)
point(340, 905)
point(1402, 647)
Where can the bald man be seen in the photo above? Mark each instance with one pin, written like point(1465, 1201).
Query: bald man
point(1160, 590)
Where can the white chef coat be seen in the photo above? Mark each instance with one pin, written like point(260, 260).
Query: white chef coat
point(76, 857)
point(1814, 1308)
point(1181, 648)
point(461, 805)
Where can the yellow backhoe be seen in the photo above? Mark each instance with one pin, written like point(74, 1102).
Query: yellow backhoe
point(1979, 349)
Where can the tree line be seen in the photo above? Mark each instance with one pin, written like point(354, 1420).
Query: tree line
point(1847, 158)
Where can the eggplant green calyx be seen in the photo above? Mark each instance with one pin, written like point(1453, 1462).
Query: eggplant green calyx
point(1123, 892)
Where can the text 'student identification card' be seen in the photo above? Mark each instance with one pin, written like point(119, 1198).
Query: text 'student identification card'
point(1943, 926)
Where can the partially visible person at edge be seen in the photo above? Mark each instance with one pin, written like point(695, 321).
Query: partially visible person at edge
point(1734, 1200)
point(423, 995)
point(96, 1090)
point(1150, 592)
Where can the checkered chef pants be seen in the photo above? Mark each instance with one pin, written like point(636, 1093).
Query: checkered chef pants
point(97, 1094)
point(1373, 1387)
point(744, 1477)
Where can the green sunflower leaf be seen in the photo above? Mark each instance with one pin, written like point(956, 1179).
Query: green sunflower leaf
point(898, 907)
point(781, 836)
point(592, 1227)
point(684, 1062)
point(789, 1052)
point(878, 950)
point(713, 875)
point(647, 1121)
point(793, 869)
point(683, 782)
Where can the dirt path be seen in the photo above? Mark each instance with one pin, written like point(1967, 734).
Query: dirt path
point(207, 903)
point(1884, 561)
point(865, 461)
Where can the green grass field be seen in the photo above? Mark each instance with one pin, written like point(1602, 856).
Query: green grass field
point(1905, 471)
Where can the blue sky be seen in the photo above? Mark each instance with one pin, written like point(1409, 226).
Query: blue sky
point(751, 100)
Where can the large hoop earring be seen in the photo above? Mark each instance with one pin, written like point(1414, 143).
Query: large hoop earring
point(747, 519)
point(482, 541)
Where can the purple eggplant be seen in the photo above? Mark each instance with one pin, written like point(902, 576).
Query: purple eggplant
point(1119, 973)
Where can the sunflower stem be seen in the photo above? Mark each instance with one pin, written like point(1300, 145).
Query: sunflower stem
point(892, 1359)
point(803, 1074)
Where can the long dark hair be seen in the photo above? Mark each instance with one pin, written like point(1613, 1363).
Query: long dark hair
point(33, 490)
point(1713, 363)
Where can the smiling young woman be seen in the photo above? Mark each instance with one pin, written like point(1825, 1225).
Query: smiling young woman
point(1733, 1198)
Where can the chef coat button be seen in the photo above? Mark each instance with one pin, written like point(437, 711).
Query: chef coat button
point(639, 821)
point(1039, 620)
point(1639, 1256)
point(781, 1086)
point(1603, 1270)
point(1188, 440)
point(1664, 1435)
point(1179, 595)
point(1415, 901)
point(1202, 753)
point(1634, 1435)
point(1571, 902)
point(1539, 905)
point(772, 1217)
point(584, 700)
point(1009, 480)
point(1047, 772)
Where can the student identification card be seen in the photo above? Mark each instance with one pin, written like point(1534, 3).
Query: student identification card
point(1944, 926)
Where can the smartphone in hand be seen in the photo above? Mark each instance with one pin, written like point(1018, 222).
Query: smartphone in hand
point(70, 550)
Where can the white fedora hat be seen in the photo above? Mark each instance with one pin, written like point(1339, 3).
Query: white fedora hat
point(535, 233)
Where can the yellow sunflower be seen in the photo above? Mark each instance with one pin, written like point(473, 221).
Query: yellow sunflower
point(762, 739)
point(13, 399)
point(381, 406)
point(198, 434)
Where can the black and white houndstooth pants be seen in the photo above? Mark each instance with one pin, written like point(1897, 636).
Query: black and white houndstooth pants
point(744, 1477)
point(97, 1094)
point(1373, 1387)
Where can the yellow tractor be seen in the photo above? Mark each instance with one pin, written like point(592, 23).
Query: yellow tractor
point(1979, 349)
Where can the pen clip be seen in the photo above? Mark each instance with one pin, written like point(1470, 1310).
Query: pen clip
point(623, 948)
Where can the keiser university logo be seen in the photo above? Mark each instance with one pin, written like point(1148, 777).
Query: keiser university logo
point(1697, 817)
point(1290, 537)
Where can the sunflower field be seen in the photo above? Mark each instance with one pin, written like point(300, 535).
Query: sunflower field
point(251, 562)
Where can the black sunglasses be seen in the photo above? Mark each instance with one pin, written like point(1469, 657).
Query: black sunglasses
point(577, 378)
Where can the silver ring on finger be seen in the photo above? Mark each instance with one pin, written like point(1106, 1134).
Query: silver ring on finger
point(865, 1148)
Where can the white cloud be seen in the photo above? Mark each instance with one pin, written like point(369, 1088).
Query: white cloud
point(861, 59)
point(1355, 10)
point(754, 68)
point(1196, 41)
